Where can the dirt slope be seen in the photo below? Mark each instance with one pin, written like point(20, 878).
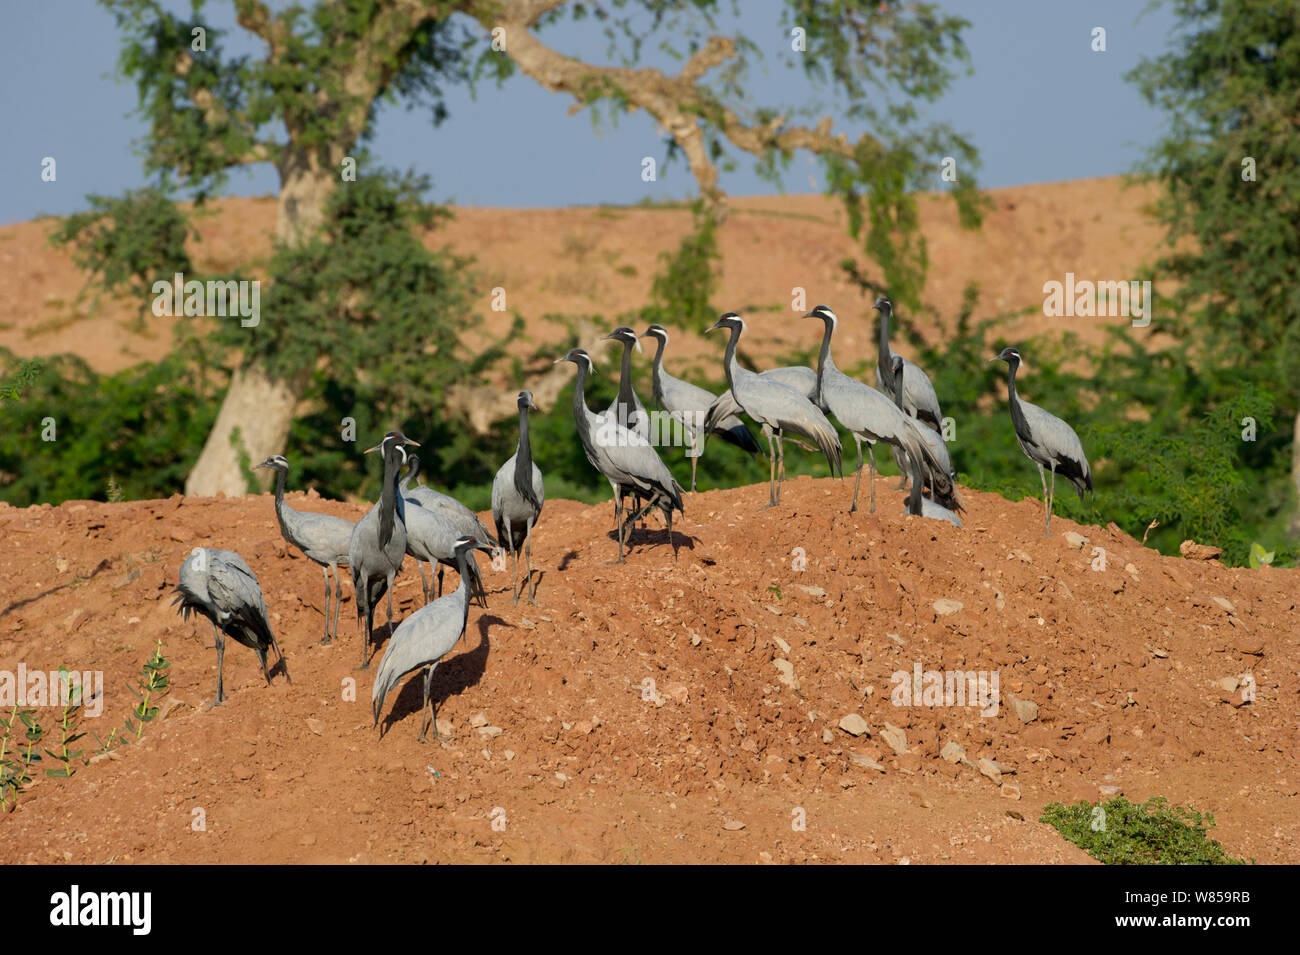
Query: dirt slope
point(1122, 664)
point(600, 261)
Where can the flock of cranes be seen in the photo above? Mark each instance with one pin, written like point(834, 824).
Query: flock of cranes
point(413, 520)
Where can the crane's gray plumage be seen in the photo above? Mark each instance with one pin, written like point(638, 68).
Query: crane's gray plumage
point(462, 518)
point(625, 458)
point(323, 538)
point(517, 497)
point(689, 405)
point(918, 503)
point(919, 398)
point(218, 585)
point(931, 437)
point(1046, 440)
point(868, 415)
point(431, 536)
point(425, 637)
point(777, 408)
point(379, 541)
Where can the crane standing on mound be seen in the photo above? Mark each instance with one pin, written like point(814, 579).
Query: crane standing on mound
point(1046, 440)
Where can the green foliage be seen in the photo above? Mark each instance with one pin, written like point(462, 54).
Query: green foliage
point(151, 686)
point(127, 242)
point(1228, 87)
point(20, 375)
point(17, 756)
point(1119, 832)
point(1260, 557)
point(69, 731)
point(144, 425)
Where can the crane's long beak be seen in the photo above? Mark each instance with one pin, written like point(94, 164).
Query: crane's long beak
point(531, 406)
point(638, 346)
point(375, 448)
point(412, 443)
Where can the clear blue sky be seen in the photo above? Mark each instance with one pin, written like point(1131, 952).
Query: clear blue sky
point(1040, 106)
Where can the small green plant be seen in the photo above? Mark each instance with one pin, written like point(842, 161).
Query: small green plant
point(68, 726)
point(1119, 832)
point(151, 687)
point(16, 757)
point(1260, 557)
point(775, 590)
point(114, 491)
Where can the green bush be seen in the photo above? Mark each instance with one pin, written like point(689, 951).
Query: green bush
point(1119, 832)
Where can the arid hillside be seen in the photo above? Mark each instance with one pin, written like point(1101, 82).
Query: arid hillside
point(689, 707)
point(600, 261)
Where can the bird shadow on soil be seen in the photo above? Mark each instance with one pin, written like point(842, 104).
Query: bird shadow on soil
point(101, 566)
point(564, 561)
point(450, 678)
point(650, 537)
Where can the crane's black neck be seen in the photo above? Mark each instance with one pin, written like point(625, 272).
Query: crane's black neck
point(390, 500)
point(524, 462)
point(412, 474)
point(885, 359)
point(729, 359)
point(824, 359)
point(898, 388)
point(626, 398)
point(658, 370)
point(580, 403)
point(282, 508)
point(1018, 419)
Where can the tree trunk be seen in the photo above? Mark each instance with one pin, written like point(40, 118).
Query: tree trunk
point(259, 407)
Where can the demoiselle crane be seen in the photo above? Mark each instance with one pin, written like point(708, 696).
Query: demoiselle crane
point(431, 536)
point(689, 405)
point(1046, 440)
point(379, 540)
point(424, 638)
point(868, 415)
point(622, 456)
point(323, 538)
point(919, 398)
point(517, 497)
point(218, 585)
point(777, 409)
point(931, 437)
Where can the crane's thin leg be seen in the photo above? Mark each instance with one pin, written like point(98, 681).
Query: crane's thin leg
point(528, 552)
point(365, 643)
point(871, 457)
point(338, 598)
point(694, 461)
point(390, 602)
point(1043, 480)
point(261, 658)
point(428, 681)
point(514, 565)
point(424, 581)
point(671, 540)
point(325, 569)
point(221, 656)
point(1051, 500)
point(771, 468)
point(780, 464)
point(440, 570)
point(857, 482)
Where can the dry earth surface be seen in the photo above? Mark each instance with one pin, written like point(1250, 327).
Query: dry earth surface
point(756, 664)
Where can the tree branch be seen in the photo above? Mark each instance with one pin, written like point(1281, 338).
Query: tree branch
point(679, 103)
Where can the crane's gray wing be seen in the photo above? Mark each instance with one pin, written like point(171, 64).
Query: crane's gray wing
point(769, 402)
point(422, 638)
point(1052, 442)
point(626, 458)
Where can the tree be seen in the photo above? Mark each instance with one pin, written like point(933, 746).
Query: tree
point(326, 67)
point(1230, 87)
